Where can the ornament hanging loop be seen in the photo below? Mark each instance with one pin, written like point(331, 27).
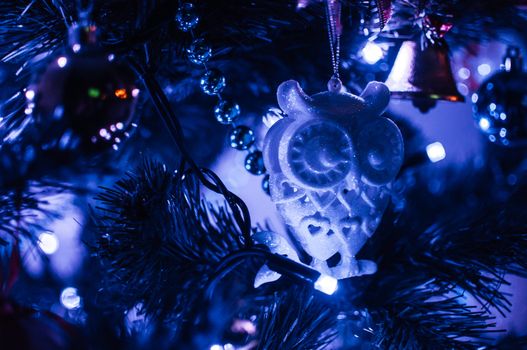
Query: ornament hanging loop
point(84, 10)
point(333, 10)
point(334, 84)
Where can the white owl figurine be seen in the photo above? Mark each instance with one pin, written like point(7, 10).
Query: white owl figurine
point(331, 160)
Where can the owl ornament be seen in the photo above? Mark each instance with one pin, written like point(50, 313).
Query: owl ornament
point(331, 161)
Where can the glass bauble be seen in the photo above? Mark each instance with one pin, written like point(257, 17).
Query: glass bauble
point(500, 108)
point(84, 101)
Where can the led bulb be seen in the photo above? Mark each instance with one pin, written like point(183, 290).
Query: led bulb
point(48, 243)
point(62, 61)
point(326, 284)
point(372, 53)
point(435, 152)
point(484, 124)
point(484, 69)
point(70, 298)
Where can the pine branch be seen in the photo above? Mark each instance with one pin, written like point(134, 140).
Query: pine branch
point(428, 317)
point(24, 208)
point(18, 208)
point(158, 241)
point(296, 319)
point(462, 242)
point(30, 29)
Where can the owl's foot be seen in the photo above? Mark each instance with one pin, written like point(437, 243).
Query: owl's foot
point(365, 267)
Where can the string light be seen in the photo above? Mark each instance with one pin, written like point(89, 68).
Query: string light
point(30, 95)
point(484, 124)
point(484, 69)
point(321, 282)
point(121, 94)
point(463, 73)
point(70, 298)
point(436, 152)
point(62, 61)
point(372, 53)
point(326, 284)
point(48, 243)
point(227, 346)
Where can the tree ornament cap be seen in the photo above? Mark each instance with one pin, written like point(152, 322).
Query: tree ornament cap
point(334, 84)
point(82, 36)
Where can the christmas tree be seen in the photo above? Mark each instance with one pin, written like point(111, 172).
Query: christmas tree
point(268, 174)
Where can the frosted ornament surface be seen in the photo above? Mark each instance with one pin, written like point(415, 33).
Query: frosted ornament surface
point(331, 161)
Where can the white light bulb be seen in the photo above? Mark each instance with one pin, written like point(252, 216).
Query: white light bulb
point(216, 347)
point(326, 284)
point(463, 73)
point(30, 95)
point(484, 124)
point(62, 61)
point(435, 152)
point(484, 69)
point(70, 298)
point(48, 243)
point(372, 53)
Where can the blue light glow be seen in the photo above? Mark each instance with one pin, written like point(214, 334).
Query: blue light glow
point(484, 69)
point(62, 61)
point(70, 298)
point(435, 152)
point(372, 53)
point(48, 243)
point(484, 124)
point(326, 284)
point(463, 73)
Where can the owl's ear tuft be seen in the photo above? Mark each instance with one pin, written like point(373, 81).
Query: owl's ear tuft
point(377, 97)
point(291, 97)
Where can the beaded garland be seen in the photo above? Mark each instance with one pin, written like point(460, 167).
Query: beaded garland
point(212, 83)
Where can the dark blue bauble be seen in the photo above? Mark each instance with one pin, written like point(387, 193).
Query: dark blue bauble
point(241, 137)
point(199, 52)
point(500, 107)
point(212, 82)
point(254, 163)
point(186, 17)
point(265, 184)
point(226, 111)
point(84, 101)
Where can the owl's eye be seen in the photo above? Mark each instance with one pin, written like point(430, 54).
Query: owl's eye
point(380, 151)
point(319, 154)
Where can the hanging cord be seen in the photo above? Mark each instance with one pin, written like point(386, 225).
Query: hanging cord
point(208, 178)
point(334, 31)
